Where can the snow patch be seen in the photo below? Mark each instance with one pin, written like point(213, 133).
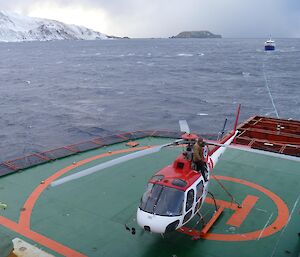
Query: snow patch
point(17, 28)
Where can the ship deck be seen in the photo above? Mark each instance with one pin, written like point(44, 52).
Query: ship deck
point(88, 217)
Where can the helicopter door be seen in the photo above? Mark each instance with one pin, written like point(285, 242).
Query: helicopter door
point(189, 204)
point(199, 195)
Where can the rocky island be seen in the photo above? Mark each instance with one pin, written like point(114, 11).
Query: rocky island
point(196, 34)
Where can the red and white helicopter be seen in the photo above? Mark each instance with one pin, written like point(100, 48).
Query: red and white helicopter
point(175, 194)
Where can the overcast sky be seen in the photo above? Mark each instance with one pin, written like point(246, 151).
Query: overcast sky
point(164, 18)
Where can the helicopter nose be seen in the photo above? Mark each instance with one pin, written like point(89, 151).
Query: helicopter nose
point(156, 223)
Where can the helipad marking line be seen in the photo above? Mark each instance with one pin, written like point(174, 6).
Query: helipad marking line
point(278, 224)
point(31, 200)
point(296, 202)
point(47, 242)
point(23, 227)
point(240, 214)
point(262, 231)
point(225, 204)
point(9, 224)
point(238, 217)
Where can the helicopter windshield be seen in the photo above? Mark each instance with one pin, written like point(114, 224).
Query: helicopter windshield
point(162, 200)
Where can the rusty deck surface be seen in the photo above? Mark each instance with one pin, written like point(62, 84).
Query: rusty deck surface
point(270, 134)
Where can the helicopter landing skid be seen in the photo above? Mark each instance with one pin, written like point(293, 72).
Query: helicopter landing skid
point(201, 219)
point(197, 234)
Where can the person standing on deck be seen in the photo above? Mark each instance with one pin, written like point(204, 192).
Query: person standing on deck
point(198, 157)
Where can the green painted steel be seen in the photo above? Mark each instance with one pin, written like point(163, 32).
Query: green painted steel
point(89, 215)
point(6, 245)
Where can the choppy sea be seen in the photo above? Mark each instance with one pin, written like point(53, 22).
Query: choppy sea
point(58, 93)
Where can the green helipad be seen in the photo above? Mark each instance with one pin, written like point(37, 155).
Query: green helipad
point(88, 217)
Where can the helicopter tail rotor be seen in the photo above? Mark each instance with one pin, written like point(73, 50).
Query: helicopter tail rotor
point(221, 133)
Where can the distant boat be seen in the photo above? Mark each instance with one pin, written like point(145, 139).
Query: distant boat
point(269, 45)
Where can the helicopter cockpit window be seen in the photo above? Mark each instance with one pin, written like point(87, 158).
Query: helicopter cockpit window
point(162, 200)
point(157, 178)
point(179, 182)
point(199, 190)
point(190, 200)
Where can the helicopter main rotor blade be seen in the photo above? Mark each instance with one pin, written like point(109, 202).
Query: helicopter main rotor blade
point(110, 163)
point(184, 127)
point(251, 150)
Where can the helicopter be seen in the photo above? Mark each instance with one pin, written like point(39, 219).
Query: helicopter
point(176, 193)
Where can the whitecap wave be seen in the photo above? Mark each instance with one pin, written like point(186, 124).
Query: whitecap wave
point(246, 74)
point(185, 55)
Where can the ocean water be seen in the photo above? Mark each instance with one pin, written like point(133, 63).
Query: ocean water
point(58, 93)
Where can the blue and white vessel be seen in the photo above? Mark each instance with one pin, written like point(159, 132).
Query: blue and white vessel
point(269, 45)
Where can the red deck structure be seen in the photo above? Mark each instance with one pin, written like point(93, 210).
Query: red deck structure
point(270, 134)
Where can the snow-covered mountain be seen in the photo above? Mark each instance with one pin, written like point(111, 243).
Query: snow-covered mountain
point(15, 27)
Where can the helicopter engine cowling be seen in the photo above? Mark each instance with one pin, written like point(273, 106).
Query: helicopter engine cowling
point(156, 223)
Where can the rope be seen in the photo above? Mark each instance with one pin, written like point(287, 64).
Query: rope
point(269, 91)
